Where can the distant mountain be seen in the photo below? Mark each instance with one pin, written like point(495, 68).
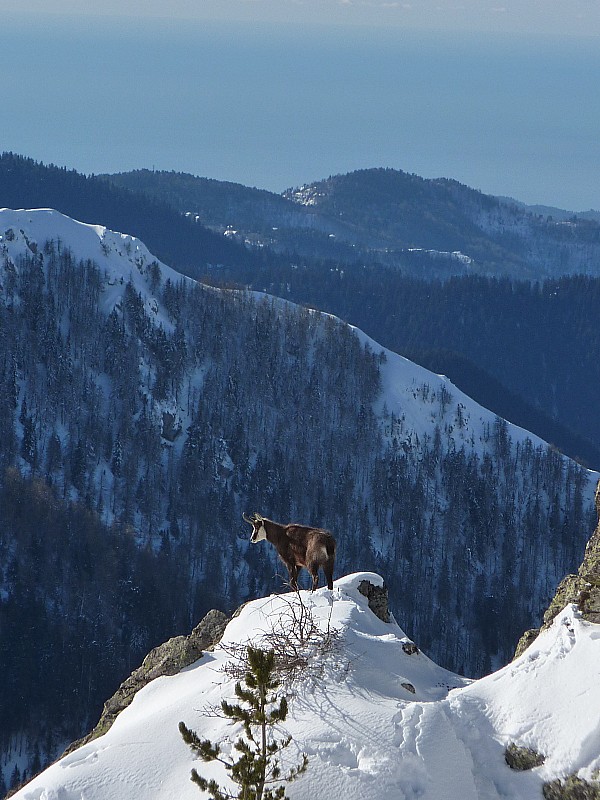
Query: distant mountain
point(185, 244)
point(141, 413)
point(261, 219)
point(552, 211)
point(373, 714)
point(444, 215)
point(427, 228)
point(221, 204)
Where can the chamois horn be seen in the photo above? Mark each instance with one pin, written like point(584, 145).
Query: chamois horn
point(251, 520)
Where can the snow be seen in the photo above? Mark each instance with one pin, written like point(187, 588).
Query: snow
point(365, 733)
point(455, 255)
point(121, 257)
point(411, 392)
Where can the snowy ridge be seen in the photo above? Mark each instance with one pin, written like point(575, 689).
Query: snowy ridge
point(423, 399)
point(366, 735)
point(35, 227)
point(419, 399)
point(121, 257)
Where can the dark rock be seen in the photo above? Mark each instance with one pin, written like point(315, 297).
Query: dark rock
point(572, 788)
point(526, 639)
point(409, 687)
point(171, 427)
point(377, 597)
point(522, 758)
point(410, 648)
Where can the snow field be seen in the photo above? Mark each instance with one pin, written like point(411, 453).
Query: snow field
point(365, 734)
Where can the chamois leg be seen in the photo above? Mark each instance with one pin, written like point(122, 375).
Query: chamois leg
point(293, 571)
point(314, 571)
point(328, 570)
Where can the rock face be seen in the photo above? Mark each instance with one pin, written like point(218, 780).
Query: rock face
point(571, 788)
point(166, 659)
point(522, 758)
point(377, 597)
point(583, 589)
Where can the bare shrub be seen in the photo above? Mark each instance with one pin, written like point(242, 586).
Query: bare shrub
point(300, 645)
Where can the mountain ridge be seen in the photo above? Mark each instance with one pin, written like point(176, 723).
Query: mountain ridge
point(387, 305)
point(389, 216)
point(25, 183)
point(363, 287)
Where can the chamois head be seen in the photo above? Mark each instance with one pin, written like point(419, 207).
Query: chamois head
point(258, 529)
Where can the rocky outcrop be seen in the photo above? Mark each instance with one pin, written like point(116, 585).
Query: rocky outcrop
point(166, 659)
point(522, 758)
point(571, 788)
point(410, 648)
point(583, 589)
point(377, 597)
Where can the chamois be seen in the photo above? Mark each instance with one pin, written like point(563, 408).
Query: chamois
point(297, 546)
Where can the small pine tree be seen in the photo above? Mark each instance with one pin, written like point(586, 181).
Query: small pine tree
point(257, 770)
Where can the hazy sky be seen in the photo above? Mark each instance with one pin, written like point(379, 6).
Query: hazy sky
point(564, 17)
point(502, 96)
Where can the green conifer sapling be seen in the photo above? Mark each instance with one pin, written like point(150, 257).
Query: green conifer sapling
point(257, 769)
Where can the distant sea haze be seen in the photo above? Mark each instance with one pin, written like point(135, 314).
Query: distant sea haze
point(275, 107)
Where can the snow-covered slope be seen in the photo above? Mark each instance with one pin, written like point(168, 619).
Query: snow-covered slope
point(34, 227)
point(421, 400)
point(424, 433)
point(418, 398)
point(121, 257)
point(367, 735)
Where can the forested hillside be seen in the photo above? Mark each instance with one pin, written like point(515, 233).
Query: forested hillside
point(141, 413)
point(426, 228)
point(539, 340)
point(179, 241)
point(524, 348)
point(398, 210)
point(495, 339)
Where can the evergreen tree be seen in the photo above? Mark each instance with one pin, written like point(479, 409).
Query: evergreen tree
point(257, 770)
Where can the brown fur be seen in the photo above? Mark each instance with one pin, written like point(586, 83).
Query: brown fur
point(299, 546)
